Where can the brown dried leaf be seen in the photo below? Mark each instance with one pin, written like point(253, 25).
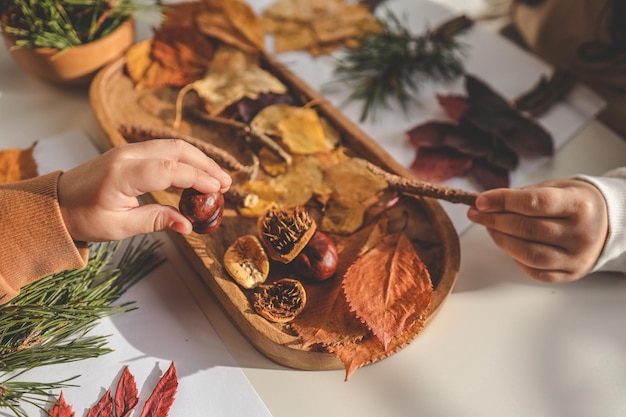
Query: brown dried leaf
point(61, 408)
point(386, 286)
point(233, 23)
point(342, 216)
point(17, 164)
point(183, 49)
point(246, 22)
point(352, 181)
point(232, 76)
point(317, 26)
point(184, 13)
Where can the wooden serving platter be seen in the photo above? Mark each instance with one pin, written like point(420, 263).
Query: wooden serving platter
point(116, 102)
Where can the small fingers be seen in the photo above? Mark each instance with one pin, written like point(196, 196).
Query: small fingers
point(542, 261)
point(533, 202)
point(546, 230)
point(175, 156)
point(151, 218)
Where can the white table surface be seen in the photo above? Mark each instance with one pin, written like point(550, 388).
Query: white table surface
point(503, 345)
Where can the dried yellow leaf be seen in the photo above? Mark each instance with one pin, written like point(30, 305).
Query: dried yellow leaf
point(302, 132)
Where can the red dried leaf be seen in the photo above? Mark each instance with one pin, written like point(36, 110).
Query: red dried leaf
point(489, 176)
point(440, 164)
point(162, 398)
point(126, 395)
point(454, 105)
point(480, 94)
point(385, 285)
point(430, 134)
point(61, 408)
point(104, 407)
point(529, 138)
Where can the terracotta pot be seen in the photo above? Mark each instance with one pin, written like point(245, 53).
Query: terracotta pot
point(75, 66)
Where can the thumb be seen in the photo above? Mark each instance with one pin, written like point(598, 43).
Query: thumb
point(156, 218)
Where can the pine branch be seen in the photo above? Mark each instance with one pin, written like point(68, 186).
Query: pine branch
point(66, 24)
point(49, 322)
point(392, 64)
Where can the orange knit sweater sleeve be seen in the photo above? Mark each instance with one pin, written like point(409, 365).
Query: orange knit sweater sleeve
point(33, 240)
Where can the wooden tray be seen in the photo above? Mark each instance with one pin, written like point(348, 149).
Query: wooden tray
point(116, 102)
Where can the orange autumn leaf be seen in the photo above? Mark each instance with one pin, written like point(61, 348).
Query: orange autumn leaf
point(370, 349)
point(184, 13)
point(182, 48)
point(17, 164)
point(386, 285)
point(329, 321)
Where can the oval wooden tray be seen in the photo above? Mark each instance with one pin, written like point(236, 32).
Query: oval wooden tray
point(115, 102)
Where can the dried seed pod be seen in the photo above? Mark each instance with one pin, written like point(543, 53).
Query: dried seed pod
point(246, 262)
point(281, 301)
point(286, 232)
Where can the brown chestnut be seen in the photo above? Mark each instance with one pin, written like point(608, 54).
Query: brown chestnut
point(318, 260)
point(203, 210)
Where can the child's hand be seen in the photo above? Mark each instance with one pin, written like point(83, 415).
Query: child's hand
point(99, 198)
point(555, 231)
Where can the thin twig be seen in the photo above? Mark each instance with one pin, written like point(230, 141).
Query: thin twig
point(424, 188)
point(248, 131)
point(137, 133)
point(241, 198)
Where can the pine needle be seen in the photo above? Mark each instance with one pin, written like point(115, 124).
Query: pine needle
point(49, 322)
point(393, 63)
point(66, 23)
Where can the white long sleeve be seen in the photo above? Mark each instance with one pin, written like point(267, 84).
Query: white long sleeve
point(613, 187)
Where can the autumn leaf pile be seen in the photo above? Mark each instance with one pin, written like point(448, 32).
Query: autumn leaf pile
point(380, 295)
point(317, 26)
point(125, 399)
point(484, 138)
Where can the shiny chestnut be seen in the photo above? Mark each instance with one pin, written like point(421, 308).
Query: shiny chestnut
point(318, 260)
point(203, 210)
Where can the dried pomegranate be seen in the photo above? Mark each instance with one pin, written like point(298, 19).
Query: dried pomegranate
point(280, 301)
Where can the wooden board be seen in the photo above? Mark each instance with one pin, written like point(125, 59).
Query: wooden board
point(115, 102)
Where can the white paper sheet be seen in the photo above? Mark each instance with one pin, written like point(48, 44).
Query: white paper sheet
point(168, 326)
point(507, 68)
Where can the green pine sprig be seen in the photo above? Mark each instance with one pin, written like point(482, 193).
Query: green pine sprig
point(392, 64)
point(50, 320)
point(62, 24)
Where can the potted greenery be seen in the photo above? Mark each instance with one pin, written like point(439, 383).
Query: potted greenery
point(67, 41)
